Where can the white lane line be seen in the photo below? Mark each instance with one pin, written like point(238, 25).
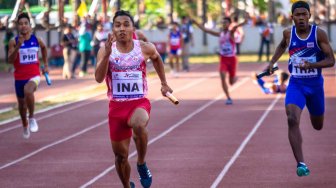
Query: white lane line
point(52, 114)
point(6, 109)
point(152, 81)
point(244, 143)
point(89, 128)
point(191, 115)
point(53, 144)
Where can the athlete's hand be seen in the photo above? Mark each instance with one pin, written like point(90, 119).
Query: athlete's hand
point(165, 88)
point(304, 65)
point(45, 69)
point(270, 68)
point(108, 44)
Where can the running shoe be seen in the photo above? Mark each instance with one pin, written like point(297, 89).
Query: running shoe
point(26, 132)
point(33, 125)
point(144, 175)
point(132, 185)
point(228, 102)
point(302, 170)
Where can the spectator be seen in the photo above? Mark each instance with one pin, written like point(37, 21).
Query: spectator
point(265, 31)
point(175, 41)
point(69, 51)
point(188, 40)
point(84, 47)
point(238, 35)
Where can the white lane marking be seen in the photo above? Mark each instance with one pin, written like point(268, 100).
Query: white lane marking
point(244, 143)
point(52, 114)
point(191, 115)
point(91, 127)
point(53, 144)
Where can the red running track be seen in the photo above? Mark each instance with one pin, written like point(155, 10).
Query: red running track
point(199, 143)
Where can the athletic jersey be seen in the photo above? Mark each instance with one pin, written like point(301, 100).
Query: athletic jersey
point(27, 64)
point(305, 50)
point(175, 40)
point(227, 45)
point(126, 76)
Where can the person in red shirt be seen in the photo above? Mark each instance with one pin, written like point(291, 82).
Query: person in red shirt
point(23, 54)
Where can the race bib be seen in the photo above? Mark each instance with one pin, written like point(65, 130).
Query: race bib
point(226, 49)
point(127, 85)
point(28, 55)
point(300, 73)
point(175, 41)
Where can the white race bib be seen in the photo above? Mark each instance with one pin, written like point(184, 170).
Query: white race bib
point(28, 55)
point(226, 49)
point(127, 85)
point(174, 41)
point(297, 72)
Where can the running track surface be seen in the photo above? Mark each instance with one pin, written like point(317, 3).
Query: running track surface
point(200, 143)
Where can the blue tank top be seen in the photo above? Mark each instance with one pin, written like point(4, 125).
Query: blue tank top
point(301, 50)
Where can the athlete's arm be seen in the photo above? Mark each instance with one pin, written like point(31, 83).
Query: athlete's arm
point(141, 36)
point(103, 59)
point(281, 48)
point(149, 51)
point(212, 32)
point(329, 60)
point(44, 53)
point(13, 48)
point(234, 28)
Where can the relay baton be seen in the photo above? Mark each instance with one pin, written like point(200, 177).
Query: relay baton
point(172, 98)
point(266, 72)
point(46, 75)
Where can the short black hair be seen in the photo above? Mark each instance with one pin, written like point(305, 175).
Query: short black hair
point(123, 13)
point(300, 4)
point(23, 15)
point(228, 19)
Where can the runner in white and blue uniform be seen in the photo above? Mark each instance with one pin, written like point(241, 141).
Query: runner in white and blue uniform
point(309, 51)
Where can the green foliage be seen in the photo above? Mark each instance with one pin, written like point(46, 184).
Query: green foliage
point(261, 4)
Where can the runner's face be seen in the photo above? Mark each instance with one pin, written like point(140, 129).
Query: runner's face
point(24, 26)
point(226, 24)
point(123, 28)
point(301, 18)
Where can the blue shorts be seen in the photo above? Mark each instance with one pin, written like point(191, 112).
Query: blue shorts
point(19, 85)
point(301, 95)
point(175, 52)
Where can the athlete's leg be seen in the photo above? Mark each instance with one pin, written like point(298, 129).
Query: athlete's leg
point(23, 111)
point(29, 90)
point(177, 63)
point(317, 121)
point(316, 107)
point(138, 122)
point(120, 150)
point(294, 134)
point(233, 70)
point(171, 63)
point(224, 84)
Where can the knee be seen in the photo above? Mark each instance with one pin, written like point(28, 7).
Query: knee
point(292, 120)
point(318, 125)
point(139, 127)
point(121, 159)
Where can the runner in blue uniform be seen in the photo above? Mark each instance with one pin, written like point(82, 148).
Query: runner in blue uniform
point(309, 51)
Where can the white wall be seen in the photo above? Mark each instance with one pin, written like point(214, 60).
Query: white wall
point(250, 44)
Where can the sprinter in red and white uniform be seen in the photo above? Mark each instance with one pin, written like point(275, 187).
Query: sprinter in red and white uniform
point(23, 53)
point(121, 63)
point(228, 59)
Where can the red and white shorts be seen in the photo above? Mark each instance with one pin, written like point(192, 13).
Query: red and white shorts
point(120, 114)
